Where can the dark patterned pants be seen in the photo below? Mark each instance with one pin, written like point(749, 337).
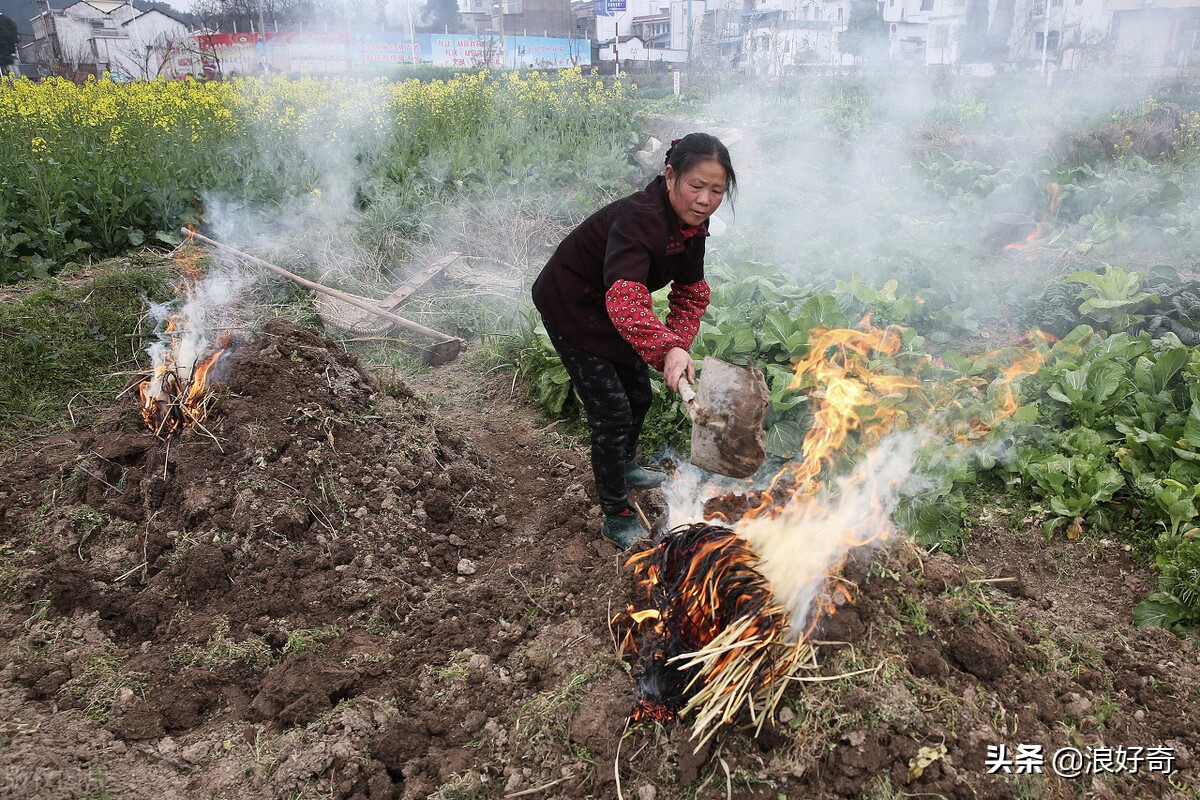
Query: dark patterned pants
point(615, 399)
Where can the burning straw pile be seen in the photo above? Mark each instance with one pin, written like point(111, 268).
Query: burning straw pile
point(178, 392)
point(730, 609)
point(715, 636)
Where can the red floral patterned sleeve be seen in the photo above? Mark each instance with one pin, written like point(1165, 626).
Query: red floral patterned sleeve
point(688, 302)
point(632, 310)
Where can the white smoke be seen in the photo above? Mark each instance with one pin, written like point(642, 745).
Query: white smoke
point(212, 305)
point(811, 538)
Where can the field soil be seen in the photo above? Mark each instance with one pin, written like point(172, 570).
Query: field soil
point(350, 585)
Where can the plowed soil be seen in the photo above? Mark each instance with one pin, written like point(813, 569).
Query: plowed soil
point(353, 587)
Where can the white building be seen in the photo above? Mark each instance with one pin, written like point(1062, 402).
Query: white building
point(1155, 35)
point(925, 31)
point(645, 30)
point(105, 36)
point(778, 37)
point(782, 36)
point(632, 50)
point(1060, 33)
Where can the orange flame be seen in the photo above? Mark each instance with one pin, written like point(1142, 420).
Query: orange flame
point(174, 396)
point(1023, 244)
point(849, 395)
point(795, 536)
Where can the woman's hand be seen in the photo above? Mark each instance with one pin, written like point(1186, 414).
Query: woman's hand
point(677, 363)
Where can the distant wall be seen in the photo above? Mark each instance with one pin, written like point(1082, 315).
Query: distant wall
point(340, 52)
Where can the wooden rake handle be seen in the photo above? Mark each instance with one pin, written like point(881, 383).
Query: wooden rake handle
point(438, 337)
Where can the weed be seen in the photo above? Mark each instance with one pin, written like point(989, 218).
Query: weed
point(309, 640)
point(65, 341)
point(455, 668)
point(221, 651)
point(545, 716)
point(85, 520)
point(461, 787)
point(914, 613)
point(10, 573)
point(1106, 709)
point(1027, 787)
point(99, 682)
point(96, 785)
point(973, 602)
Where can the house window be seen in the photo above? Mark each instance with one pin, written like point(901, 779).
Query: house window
point(1191, 32)
point(939, 37)
point(1050, 43)
point(1039, 8)
point(927, 5)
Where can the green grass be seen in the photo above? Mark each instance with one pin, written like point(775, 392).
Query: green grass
point(98, 683)
point(221, 651)
point(61, 345)
point(305, 640)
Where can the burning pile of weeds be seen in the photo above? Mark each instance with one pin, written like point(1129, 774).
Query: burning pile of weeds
point(177, 393)
point(730, 609)
point(715, 634)
point(310, 473)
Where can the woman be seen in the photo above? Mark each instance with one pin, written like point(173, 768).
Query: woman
point(594, 298)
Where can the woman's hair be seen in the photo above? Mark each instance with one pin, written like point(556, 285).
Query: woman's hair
point(685, 153)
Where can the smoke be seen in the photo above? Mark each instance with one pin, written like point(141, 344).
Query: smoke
point(351, 192)
point(806, 543)
point(689, 487)
point(304, 189)
point(893, 176)
point(187, 327)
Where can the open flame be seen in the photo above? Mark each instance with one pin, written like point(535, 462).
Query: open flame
point(177, 392)
point(1023, 244)
point(732, 607)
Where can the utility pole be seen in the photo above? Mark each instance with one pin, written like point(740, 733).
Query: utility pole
point(262, 31)
point(503, 52)
point(689, 31)
point(617, 37)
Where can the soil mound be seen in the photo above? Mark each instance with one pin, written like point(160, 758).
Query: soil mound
point(334, 591)
point(240, 572)
point(1157, 135)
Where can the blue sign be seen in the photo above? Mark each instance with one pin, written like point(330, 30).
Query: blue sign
point(605, 8)
point(456, 50)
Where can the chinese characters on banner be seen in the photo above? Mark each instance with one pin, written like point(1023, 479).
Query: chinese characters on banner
point(339, 52)
point(607, 8)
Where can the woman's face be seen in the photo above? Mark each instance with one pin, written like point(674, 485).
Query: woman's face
point(697, 193)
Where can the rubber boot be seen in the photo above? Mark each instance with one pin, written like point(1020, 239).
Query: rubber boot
point(623, 529)
point(641, 478)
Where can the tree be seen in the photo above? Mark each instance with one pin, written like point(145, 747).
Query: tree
point(225, 15)
point(975, 32)
point(866, 34)
point(440, 15)
point(8, 41)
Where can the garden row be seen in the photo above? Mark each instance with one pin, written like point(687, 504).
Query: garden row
point(91, 169)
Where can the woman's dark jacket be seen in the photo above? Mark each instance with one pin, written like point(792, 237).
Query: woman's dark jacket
point(637, 238)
